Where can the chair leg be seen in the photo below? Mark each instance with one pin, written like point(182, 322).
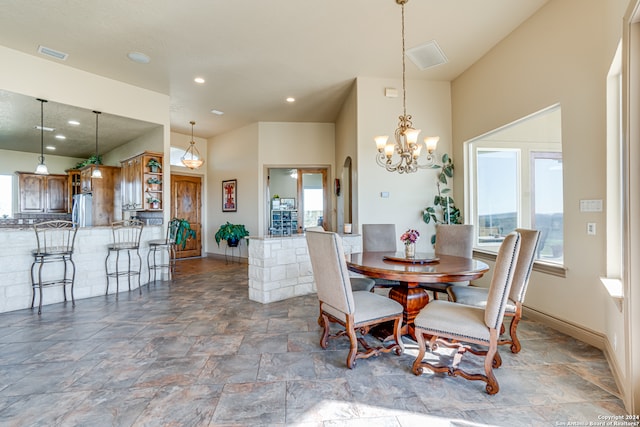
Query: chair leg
point(324, 322)
point(353, 341)
point(33, 285)
point(515, 346)
point(417, 368)
point(397, 335)
point(73, 281)
point(489, 360)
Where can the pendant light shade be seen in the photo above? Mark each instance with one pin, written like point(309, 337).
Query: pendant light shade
point(191, 157)
point(42, 169)
point(96, 173)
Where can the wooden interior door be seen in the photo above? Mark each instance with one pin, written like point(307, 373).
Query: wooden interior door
point(186, 202)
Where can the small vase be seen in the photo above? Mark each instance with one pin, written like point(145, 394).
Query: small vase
point(410, 250)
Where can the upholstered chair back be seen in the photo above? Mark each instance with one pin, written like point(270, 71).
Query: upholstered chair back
point(315, 228)
point(379, 237)
point(454, 239)
point(528, 246)
point(330, 270)
point(501, 281)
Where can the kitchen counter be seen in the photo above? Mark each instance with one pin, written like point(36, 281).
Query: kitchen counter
point(89, 255)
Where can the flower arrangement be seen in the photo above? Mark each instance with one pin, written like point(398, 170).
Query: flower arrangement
point(410, 236)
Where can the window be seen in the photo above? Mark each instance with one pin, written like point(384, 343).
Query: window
point(6, 198)
point(515, 176)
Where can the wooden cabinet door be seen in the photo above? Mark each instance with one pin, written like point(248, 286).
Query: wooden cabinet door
point(85, 180)
point(136, 182)
point(32, 192)
point(56, 194)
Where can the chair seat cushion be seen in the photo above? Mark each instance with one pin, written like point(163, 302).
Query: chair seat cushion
point(368, 307)
point(158, 242)
point(362, 284)
point(475, 296)
point(449, 319)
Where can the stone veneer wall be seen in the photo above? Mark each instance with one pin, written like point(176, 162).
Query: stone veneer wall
point(280, 268)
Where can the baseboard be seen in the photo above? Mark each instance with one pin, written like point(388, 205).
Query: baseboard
point(609, 354)
point(578, 332)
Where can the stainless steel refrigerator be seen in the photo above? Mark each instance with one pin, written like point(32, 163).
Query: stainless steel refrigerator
point(81, 211)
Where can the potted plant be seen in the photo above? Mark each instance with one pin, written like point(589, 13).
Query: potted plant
point(154, 182)
point(181, 229)
point(442, 202)
point(232, 233)
point(154, 202)
point(154, 165)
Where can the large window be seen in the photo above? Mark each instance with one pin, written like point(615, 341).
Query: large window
point(515, 177)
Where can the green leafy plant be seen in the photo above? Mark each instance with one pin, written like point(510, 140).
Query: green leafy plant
point(444, 210)
point(231, 233)
point(181, 229)
point(154, 180)
point(92, 160)
point(153, 163)
point(153, 199)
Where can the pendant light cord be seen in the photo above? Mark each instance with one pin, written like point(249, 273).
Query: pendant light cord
point(404, 89)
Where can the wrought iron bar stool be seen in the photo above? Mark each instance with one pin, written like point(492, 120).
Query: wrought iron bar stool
point(55, 241)
point(159, 246)
point(126, 238)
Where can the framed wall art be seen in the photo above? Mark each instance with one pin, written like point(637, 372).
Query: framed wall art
point(230, 195)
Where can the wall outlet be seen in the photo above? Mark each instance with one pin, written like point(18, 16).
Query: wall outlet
point(591, 228)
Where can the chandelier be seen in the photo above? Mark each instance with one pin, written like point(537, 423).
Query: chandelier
point(191, 157)
point(406, 144)
point(97, 173)
point(41, 169)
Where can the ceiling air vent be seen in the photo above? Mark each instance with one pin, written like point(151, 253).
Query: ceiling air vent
point(53, 53)
point(427, 55)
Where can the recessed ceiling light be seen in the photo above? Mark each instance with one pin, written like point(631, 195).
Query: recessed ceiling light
point(50, 147)
point(61, 137)
point(44, 128)
point(291, 99)
point(217, 112)
point(74, 122)
point(199, 80)
point(138, 57)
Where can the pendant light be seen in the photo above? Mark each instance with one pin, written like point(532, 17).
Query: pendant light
point(96, 173)
point(41, 169)
point(191, 157)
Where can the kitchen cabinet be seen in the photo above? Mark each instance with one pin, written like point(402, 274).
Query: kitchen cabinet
point(42, 193)
point(106, 205)
point(73, 186)
point(142, 183)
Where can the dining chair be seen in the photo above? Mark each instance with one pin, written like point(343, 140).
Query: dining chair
point(380, 238)
point(451, 239)
point(126, 238)
point(476, 296)
point(55, 243)
point(469, 329)
point(356, 312)
point(358, 283)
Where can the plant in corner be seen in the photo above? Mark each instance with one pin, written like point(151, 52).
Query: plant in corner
point(181, 229)
point(232, 233)
point(444, 210)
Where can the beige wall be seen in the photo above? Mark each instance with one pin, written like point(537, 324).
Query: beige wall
point(560, 55)
point(41, 78)
point(430, 105)
point(347, 146)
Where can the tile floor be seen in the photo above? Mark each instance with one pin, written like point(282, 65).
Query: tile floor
point(197, 352)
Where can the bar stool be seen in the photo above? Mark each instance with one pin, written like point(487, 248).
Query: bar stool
point(55, 244)
point(126, 238)
point(159, 245)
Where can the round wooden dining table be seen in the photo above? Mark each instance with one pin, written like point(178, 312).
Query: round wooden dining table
point(411, 272)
